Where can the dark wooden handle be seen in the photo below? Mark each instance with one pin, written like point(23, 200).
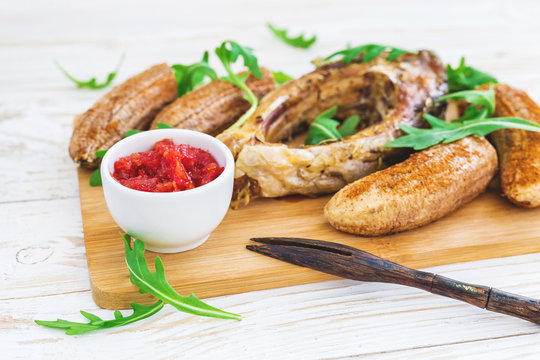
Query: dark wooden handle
point(485, 297)
point(351, 263)
point(476, 295)
point(514, 305)
point(372, 268)
point(488, 298)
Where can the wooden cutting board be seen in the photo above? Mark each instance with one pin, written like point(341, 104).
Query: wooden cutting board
point(485, 228)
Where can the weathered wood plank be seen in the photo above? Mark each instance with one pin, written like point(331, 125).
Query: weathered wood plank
point(331, 319)
point(514, 346)
point(42, 250)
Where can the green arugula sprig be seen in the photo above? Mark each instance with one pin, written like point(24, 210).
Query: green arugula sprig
point(92, 83)
point(369, 51)
point(281, 78)
point(188, 77)
point(229, 52)
point(129, 133)
point(325, 128)
point(153, 283)
point(444, 132)
point(482, 98)
point(466, 77)
point(156, 284)
point(298, 42)
point(161, 125)
point(96, 323)
point(475, 121)
point(95, 177)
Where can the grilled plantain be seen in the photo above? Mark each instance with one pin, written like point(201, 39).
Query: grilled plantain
point(425, 187)
point(131, 105)
point(518, 150)
point(213, 107)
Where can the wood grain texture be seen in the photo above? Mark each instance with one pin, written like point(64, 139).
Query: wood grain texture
point(41, 249)
point(332, 319)
point(487, 227)
point(514, 305)
point(476, 295)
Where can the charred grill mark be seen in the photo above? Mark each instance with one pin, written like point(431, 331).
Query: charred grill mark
point(254, 187)
point(332, 66)
point(274, 116)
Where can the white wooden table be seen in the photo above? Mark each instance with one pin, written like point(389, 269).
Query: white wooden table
point(43, 273)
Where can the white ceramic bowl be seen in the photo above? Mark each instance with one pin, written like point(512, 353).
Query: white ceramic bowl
point(174, 221)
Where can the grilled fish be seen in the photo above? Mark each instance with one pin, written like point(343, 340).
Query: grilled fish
point(130, 105)
point(213, 107)
point(384, 93)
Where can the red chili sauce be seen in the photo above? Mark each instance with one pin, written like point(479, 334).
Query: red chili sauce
point(166, 168)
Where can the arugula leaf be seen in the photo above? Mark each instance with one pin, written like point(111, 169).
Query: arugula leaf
point(95, 178)
point(324, 128)
point(101, 153)
point(228, 52)
point(370, 51)
point(76, 328)
point(161, 125)
point(472, 113)
point(466, 77)
point(483, 98)
point(132, 132)
point(475, 121)
point(92, 83)
point(148, 282)
point(229, 57)
point(298, 41)
point(348, 127)
point(441, 131)
point(156, 284)
point(188, 77)
point(281, 77)
point(395, 53)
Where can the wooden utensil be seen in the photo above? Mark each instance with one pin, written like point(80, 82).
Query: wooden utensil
point(351, 263)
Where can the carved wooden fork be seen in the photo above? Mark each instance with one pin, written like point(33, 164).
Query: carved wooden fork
point(351, 263)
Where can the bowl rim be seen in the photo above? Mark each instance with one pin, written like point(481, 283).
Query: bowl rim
point(228, 169)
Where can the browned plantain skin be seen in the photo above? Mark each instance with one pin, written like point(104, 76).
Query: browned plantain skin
point(130, 105)
point(213, 107)
point(519, 150)
point(423, 188)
